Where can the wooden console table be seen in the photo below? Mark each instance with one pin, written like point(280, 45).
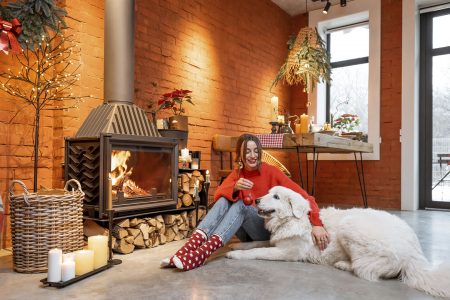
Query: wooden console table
point(316, 143)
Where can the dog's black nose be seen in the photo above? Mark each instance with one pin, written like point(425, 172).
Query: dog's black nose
point(257, 201)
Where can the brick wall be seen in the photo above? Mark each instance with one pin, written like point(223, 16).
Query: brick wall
point(227, 53)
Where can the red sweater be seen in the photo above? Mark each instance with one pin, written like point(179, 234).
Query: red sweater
point(263, 180)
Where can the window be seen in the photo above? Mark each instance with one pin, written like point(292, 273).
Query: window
point(356, 50)
point(349, 91)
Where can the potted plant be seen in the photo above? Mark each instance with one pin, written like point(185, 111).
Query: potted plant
point(307, 63)
point(174, 101)
point(347, 123)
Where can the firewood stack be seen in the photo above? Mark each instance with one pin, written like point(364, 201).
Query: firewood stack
point(186, 182)
point(129, 234)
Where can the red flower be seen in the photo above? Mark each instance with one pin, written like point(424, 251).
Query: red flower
point(174, 100)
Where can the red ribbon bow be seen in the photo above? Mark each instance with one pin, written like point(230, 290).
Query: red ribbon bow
point(9, 31)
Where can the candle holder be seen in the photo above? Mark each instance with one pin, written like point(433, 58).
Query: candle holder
point(197, 204)
point(111, 262)
point(110, 229)
point(274, 127)
point(206, 186)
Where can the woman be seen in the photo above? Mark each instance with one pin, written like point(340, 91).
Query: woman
point(234, 211)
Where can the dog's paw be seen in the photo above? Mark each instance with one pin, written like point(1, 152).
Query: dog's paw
point(236, 254)
point(249, 245)
point(343, 265)
point(240, 246)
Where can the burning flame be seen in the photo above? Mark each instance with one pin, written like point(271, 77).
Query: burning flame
point(119, 166)
point(120, 175)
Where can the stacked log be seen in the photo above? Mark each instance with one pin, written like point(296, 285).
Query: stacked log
point(140, 233)
point(186, 183)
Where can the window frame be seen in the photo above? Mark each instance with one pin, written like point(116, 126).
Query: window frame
point(340, 64)
point(354, 12)
point(427, 53)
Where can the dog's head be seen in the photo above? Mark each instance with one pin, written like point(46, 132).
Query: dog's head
point(282, 202)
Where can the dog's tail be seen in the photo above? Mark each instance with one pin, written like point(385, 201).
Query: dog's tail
point(435, 281)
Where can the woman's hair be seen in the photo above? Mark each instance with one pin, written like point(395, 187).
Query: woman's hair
point(241, 147)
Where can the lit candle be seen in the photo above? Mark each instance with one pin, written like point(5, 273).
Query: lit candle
point(68, 270)
point(194, 164)
point(304, 123)
point(274, 109)
point(68, 257)
point(280, 119)
point(84, 261)
point(99, 244)
point(54, 265)
point(207, 177)
point(185, 153)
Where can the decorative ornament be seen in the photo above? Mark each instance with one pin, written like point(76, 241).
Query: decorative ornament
point(9, 32)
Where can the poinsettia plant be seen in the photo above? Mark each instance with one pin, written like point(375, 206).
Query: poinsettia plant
point(174, 101)
point(347, 122)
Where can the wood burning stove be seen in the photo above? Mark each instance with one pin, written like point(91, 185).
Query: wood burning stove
point(143, 172)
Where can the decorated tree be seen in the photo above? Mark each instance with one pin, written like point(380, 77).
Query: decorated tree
point(46, 72)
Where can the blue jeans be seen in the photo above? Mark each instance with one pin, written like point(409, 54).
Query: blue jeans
point(227, 218)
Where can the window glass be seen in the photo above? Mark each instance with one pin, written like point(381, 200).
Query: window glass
point(349, 43)
point(441, 36)
point(349, 93)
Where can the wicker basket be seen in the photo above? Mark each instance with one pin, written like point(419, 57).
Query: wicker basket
point(43, 222)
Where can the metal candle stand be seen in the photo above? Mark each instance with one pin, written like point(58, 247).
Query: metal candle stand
point(111, 261)
point(206, 187)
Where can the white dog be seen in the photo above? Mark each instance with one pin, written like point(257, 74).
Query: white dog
point(370, 243)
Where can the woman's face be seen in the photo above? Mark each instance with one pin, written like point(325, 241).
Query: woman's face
point(251, 156)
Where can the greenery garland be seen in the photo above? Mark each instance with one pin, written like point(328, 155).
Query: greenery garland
point(36, 17)
point(307, 63)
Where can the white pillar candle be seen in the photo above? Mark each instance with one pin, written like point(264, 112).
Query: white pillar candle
point(68, 270)
point(84, 261)
point(54, 265)
point(185, 152)
point(274, 109)
point(68, 257)
point(99, 244)
point(194, 164)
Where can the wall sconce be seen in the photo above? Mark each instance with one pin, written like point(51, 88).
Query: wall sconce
point(343, 3)
point(326, 8)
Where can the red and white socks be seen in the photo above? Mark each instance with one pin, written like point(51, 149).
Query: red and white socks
point(196, 258)
point(195, 241)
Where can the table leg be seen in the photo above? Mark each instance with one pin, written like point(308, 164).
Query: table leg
point(315, 163)
point(361, 179)
point(299, 164)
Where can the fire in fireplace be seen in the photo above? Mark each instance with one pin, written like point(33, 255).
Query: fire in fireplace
point(137, 174)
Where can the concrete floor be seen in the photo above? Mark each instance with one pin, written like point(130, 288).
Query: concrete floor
point(139, 276)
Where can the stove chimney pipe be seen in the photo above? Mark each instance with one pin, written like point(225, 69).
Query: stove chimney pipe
point(119, 52)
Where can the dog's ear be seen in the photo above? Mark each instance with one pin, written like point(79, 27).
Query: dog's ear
point(300, 206)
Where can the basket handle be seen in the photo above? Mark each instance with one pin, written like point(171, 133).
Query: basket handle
point(73, 181)
point(25, 194)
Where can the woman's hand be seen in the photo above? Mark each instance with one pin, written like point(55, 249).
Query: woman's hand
point(243, 184)
point(320, 237)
